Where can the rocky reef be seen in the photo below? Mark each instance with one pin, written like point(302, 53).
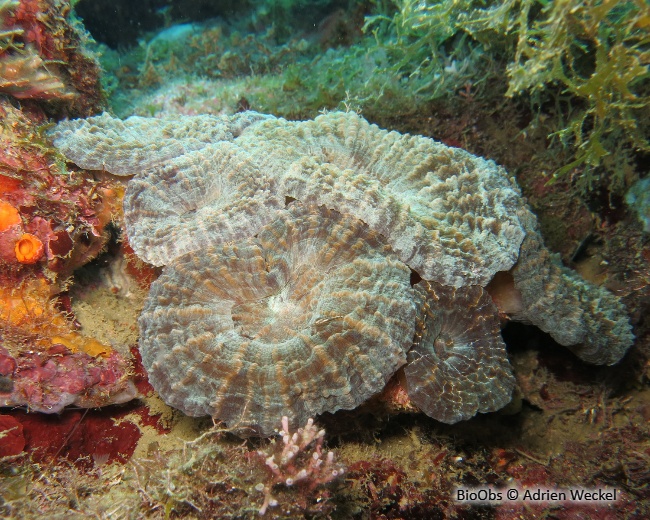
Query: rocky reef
point(52, 221)
point(556, 93)
point(42, 58)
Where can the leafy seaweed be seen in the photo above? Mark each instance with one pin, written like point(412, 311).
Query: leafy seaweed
point(596, 52)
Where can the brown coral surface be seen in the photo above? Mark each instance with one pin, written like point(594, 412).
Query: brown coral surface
point(458, 365)
point(138, 143)
point(314, 314)
point(587, 318)
point(217, 192)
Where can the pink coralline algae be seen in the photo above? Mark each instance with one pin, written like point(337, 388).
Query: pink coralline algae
point(298, 461)
point(271, 322)
point(49, 381)
point(51, 223)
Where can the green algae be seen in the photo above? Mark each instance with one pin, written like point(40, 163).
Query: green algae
point(594, 53)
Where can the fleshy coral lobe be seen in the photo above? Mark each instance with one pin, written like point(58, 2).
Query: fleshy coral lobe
point(454, 219)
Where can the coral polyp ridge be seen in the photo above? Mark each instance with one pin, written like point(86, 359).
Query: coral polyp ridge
point(289, 322)
point(458, 364)
point(266, 309)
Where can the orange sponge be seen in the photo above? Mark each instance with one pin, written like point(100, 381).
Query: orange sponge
point(9, 216)
point(29, 249)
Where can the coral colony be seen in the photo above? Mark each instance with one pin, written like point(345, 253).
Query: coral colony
point(288, 249)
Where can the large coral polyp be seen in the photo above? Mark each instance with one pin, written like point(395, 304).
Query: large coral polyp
point(314, 314)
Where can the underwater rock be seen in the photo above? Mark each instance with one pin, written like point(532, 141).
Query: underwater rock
point(43, 58)
point(27, 77)
point(51, 223)
point(45, 365)
point(458, 221)
point(86, 438)
point(11, 433)
point(314, 314)
point(49, 380)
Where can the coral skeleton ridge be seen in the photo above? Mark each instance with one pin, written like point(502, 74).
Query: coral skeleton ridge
point(287, 249)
